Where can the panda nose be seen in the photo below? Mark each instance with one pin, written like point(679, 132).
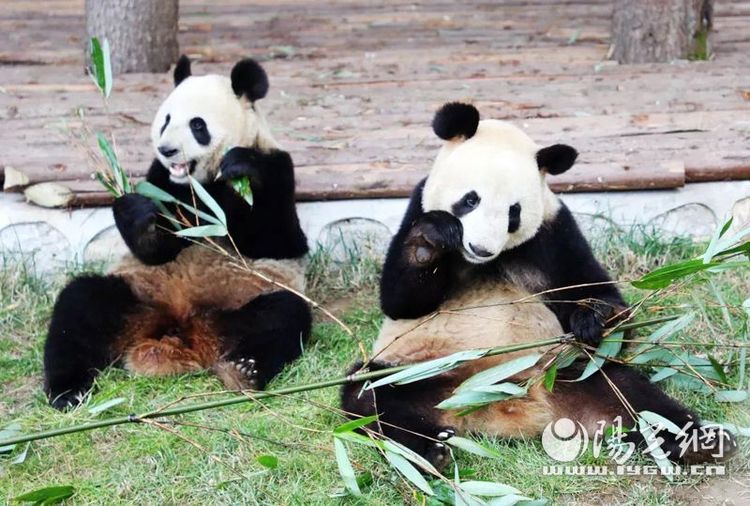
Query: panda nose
point(167, 151)
point(479, 251)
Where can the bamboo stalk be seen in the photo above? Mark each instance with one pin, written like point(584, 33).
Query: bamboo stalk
point(354, 378)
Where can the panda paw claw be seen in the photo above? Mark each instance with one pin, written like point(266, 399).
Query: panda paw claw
point(438, 453)
point(68, 400)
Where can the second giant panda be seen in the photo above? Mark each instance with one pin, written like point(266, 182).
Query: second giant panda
point(483, 234)
point(174, 306)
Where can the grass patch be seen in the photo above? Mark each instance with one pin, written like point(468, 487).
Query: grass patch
point(139, 464)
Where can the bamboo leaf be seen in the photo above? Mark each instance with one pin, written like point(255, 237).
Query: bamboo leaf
point(731, 395)
point(203, 231)
point(95, 410)
point(428, 369)
point(499, 372)
point(664, 276)
point(96, 70)
point(353, 437)
point(153, 192)
point(502, 388)
point(655, 450)
point(549, 377)
point(107, 67)
point(207, 199)
point(719, 369)
point(512, 500)
point(345, 468)
point(609, 347)
point(662, 355)
point(472, 398)
point(47, 495)
point(355, 424)
point(21, 457)
point(488, 488)
point(471, 446)
point(409, 454)
point(663, 373)
point(242, 186)
point(9, 432)
point(656, 420)
point(408, 471)
point(670, 328)
point(269, 461)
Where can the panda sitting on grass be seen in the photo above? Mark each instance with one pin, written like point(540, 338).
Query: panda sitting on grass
point(175, 306)
point(481, 236)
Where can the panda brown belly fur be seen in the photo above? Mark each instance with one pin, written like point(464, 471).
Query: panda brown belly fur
point(175, 328)
point(500, 314)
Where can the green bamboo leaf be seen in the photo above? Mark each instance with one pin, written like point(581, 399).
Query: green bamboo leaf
point(355, 424)
point(726, 226)
point(719, 369)
point(408, 471)
point(671, 328)
point(269, 461)
point(471, 446)
point(153, 192)
point(356, 438)
point(731, 396)
point(96, 71)
point(242, 186)
point(663, 277)
point(655, 450)
point(47, 495)
point(513, 500)
point(609, 347)
point(502, 388)
point(662, 355)
point(106, 184)
point(11, 431)
point(472, 398)
point(428, 369)
point(107, 67)
point(95, 410)
point(21, 457)
point(663, 373)
point(345, 468)
point(549, 377)
point(488, 488)
point(207, 199)
point(656, 420)
point(499, 372)
point(409, 454)
point(203, 231)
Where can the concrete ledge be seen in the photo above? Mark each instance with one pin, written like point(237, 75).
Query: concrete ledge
point(51, 238)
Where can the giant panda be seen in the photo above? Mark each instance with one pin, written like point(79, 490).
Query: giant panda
point(175, 306)
point(483, 233)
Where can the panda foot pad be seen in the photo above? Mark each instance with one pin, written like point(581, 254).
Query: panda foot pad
point(438, 453)
point(239, 374)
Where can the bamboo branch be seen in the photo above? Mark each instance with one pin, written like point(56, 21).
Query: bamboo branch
point(240, 399)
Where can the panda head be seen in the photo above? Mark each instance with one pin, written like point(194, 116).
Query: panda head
point(206, 115)
point(491, 176)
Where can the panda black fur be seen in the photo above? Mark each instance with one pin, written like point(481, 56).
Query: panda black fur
point(483, 232)
point(174, 306)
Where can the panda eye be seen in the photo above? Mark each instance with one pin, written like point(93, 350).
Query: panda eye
point(466, 204)
point(197, 124)
point(471, 200)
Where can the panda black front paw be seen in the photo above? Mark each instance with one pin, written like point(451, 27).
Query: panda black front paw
point(437, 452)
point(134, 213)
point(239, 374)
point(433, 234)
point(67, 400)
point(589, 321)
point(239, 162)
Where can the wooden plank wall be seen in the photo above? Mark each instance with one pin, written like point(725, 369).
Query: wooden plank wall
point(354, 86)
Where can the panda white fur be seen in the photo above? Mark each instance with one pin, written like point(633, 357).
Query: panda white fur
point(174, 306)
point(481, 235)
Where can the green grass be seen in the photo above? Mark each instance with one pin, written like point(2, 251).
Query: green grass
point(140, 464)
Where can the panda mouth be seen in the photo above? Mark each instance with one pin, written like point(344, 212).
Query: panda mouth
point(181, 171)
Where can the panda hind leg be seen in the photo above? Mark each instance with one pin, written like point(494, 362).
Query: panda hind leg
point(89, 314)
point(407, 413)
point(260, 338)
point(594, 400)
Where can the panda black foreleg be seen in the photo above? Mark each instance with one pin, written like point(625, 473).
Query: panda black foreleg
point(89, 314)
point(595, 398)
point(406, 413)
point(262, 337)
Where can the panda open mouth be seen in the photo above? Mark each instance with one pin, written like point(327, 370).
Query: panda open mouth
point(180, 171)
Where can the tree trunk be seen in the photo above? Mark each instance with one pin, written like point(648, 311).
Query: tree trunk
point(646, 31)
point(142, 34)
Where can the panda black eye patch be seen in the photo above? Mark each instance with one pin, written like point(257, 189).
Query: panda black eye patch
point(200, 132)
point(164, 126)
point(514, 217)
point(467, 204)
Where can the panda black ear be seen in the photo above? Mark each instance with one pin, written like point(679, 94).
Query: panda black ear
point(249, 79)
point(182, 70)
point(556, 159)
point(456, 120)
